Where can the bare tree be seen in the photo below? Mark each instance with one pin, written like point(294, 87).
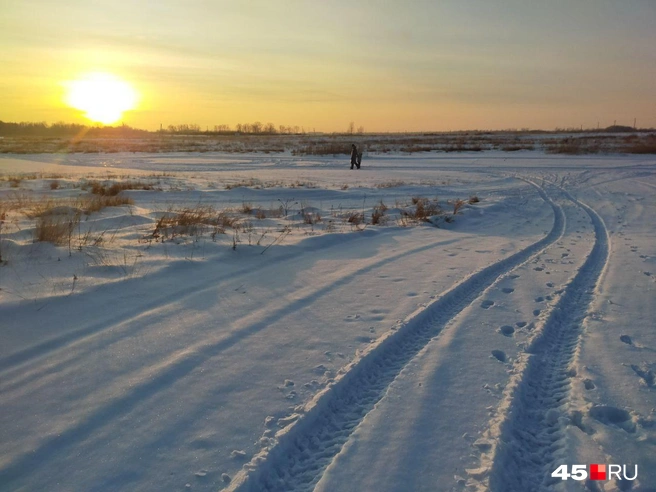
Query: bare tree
point(256, 127)
point(351, 128)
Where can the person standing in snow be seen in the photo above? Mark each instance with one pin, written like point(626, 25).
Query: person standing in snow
point(354, 156)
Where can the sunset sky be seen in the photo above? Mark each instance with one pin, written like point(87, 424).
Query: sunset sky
point(386, 65)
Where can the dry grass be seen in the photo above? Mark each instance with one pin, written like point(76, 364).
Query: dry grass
point(323, 149)
point(457, 205)
point(56, 229)
point(195, 221)
point(424, 208)
point(391, 184)
point(355, 218)
point(186, 221)
point(245, 183)
point(516, 147)
point(645, 145)
point(311, 218)
point(378, 216)
point(39, 206)
point(113, 189)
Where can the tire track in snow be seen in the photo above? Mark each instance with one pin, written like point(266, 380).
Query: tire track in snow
point(14, 360)
point(13, 365)
point(177, 365)
point(531, 438)
point(304, 450)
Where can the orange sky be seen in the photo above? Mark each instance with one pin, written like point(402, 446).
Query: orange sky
point(386, 65)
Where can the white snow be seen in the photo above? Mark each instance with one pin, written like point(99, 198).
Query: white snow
point(308, 352)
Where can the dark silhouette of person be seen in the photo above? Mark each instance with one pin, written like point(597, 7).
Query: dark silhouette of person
point(354, 156)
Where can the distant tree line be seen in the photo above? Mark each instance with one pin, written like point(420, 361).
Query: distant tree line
point(62, 130)
point(256, 128)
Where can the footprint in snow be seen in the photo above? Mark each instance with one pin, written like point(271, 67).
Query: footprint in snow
point(539, 299)
point(536, 312)
point(538, 269)
point(588, 384)
point(499, 355)
point(626, 339)
point(617, 417)
point(487, 304)
point(507, 330)
point(521, 324)
point(507, 290)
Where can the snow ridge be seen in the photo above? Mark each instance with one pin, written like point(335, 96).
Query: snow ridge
point(532, 437)
point(304, 450)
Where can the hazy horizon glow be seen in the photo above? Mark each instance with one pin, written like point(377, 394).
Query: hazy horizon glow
point(387, 66)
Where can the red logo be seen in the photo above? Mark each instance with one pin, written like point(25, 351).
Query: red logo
point(597, 472)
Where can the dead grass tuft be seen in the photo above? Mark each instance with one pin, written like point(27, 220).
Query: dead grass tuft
point(55, 228)
point(378, 216)
point(457, 205)
point(355, 218)
point(113, 189)
point(424, 208)
point(391, 184)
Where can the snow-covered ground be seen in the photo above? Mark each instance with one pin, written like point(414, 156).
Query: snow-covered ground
point(281, 341)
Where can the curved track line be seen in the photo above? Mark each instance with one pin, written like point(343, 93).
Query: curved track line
point(178, 365)
point(532, 437)
point(129, 327)
point(70, 338)
point(305, 449)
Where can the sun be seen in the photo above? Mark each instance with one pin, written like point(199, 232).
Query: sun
point(102, 96)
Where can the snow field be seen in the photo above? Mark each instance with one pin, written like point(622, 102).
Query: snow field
point(476, 355)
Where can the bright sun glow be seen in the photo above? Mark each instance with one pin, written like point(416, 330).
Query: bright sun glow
point(103, 97)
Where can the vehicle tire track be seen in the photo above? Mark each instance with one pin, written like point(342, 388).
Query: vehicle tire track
point(532, 437)
point(16, 368)
point(14, 360)
point(177, 365)
point(304, 450)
